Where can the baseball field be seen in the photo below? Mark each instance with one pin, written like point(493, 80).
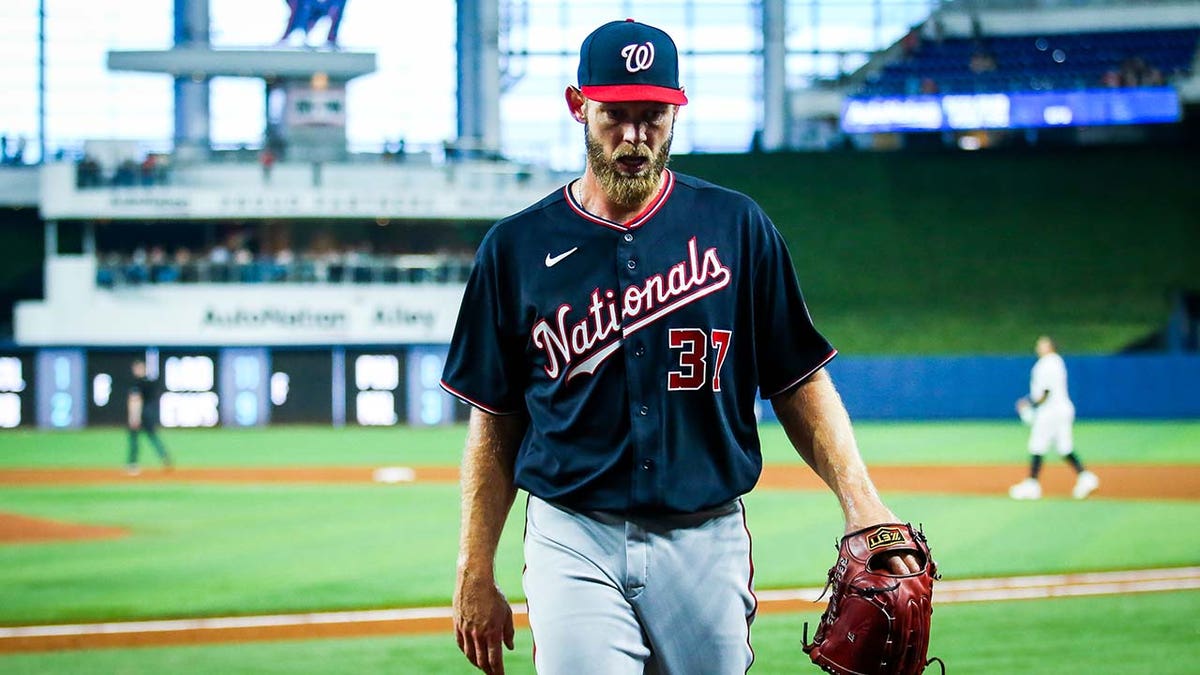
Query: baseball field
point(280, 550)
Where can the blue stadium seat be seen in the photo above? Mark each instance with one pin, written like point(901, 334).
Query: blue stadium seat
point(1036, 61)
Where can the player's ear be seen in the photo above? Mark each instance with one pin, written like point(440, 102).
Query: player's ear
point(575, 103)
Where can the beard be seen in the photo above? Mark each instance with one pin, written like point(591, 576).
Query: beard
point(623, 188)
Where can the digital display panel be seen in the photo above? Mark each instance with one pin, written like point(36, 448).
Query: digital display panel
point(374, 396)
point(61, 402)
point(189, 380)
point(16, 390)
point(1018, 110)
point(301, 386)
point(428, 403)
point(245, 399)
point(109, 379)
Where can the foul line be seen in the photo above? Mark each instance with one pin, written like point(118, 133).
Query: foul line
point(438, 619)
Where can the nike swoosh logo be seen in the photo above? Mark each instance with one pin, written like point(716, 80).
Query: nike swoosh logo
point(551, 261)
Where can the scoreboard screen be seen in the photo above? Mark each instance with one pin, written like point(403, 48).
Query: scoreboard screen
point(301, 386)
point(428, 403)
point(72, 387)
point(243, 387)
point(374, 395)
point(16, 390)
point(109, 379)
point(60, 398)
point(189, 388)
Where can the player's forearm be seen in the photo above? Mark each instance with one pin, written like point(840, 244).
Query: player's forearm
point(487, 487)
point(819, 428)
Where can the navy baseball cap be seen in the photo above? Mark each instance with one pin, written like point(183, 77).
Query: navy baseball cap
point(630, 61)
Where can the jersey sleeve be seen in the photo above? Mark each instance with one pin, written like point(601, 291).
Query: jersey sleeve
point(1037, 382)
point(788, 347)
point(483, 367)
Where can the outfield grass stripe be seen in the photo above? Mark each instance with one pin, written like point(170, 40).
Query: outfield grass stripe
point(438, 619)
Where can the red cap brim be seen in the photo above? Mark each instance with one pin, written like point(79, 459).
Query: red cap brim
point(622, 93)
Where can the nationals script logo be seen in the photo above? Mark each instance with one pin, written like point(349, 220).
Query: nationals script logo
point(580, 347)
point(638, 57)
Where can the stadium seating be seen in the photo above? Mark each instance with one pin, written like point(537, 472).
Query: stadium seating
point(1038, 62)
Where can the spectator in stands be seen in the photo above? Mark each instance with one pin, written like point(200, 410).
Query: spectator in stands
point(243, 262)
point(267, 159)
point(136, 270)
point(3, 149)
point(108, 271)
point(149, 169)
point(218, 263)
point(281, 264)
point(359, 259)
point(87, 172)
point(162, 271)
point(126, 173)
point(185, 265)
point(18, 156)
point(1135, 72)
point(982, 61)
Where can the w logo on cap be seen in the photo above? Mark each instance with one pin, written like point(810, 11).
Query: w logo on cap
point(638, 57)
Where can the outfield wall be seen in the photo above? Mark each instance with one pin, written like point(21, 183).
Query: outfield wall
point(986, 387)
point(385, 385)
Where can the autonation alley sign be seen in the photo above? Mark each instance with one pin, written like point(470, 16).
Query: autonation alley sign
point(241, 315)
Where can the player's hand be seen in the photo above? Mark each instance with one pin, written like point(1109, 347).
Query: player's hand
point(902, 564)
point(898, 563)
point(482, 621)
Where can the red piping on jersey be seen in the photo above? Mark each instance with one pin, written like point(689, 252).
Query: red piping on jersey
point(473, 402)
point(668, 185)
point(805, 376)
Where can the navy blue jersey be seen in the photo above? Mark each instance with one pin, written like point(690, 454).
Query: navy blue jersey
point(149, 391)
point(636, 349)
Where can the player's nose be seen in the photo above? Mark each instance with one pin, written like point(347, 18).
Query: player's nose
point(634, 133)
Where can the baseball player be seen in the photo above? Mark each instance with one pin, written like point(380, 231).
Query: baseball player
point(1048, 408)
point(143, 417)
point(612, 339)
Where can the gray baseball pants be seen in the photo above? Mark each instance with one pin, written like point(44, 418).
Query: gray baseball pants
point(614, 595)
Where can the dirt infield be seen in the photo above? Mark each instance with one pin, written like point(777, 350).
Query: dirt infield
point(1118, 481)
point(17, 529)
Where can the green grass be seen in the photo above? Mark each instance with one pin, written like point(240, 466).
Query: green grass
point(959, 442)
point(264, 446)
point(1142, 442)
point(1138, 634)
point(213, 549)
point(218, 550)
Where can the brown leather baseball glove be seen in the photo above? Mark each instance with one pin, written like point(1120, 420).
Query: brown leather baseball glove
point(877, 623)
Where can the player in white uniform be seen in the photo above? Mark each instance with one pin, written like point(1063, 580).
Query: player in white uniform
point(1049, 410)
